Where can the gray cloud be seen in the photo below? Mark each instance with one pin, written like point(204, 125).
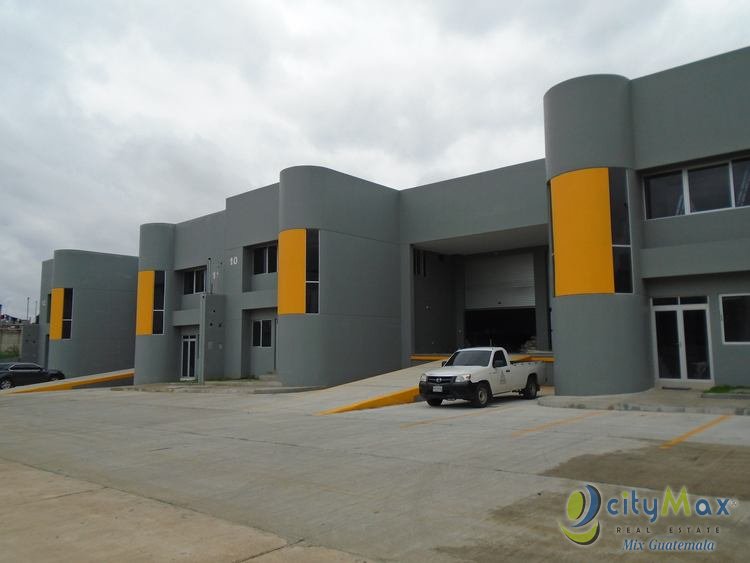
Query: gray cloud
point(117, 113)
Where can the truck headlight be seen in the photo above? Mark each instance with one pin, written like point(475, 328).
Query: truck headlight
point(463, 378)
point(423, 378)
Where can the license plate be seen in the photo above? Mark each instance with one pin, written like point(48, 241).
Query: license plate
point(437, 388)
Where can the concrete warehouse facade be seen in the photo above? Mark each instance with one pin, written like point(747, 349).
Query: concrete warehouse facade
point(626, 251)
point(87, 313)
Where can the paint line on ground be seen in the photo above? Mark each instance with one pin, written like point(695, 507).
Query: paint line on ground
point(694, 431)
point(555, 423)
point(442, 418)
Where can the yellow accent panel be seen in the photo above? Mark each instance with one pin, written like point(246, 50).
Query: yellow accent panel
point(582, 232)
point(56, 313)
point(397, 398)
point(292, 271)
point(144, 316)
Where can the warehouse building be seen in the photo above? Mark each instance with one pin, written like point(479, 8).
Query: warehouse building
point(87, 313)
point(625, 251)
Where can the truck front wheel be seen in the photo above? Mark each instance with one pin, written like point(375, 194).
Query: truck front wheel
point(481, 395)
point(434, 402)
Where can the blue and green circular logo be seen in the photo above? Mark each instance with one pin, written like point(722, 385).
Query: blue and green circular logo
point(582, 508)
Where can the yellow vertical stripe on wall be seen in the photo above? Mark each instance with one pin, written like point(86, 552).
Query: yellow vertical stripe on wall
point(144, 316)
point(56, 313)
point(292, 271)
point(582, 232)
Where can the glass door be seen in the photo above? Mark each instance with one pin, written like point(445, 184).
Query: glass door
point(682, 343)
point(189, 356)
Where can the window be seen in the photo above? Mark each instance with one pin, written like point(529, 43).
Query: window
point(67, 320)
point(262, 333)
point(499, 360)
point(49, 306)
point(312, 275)
point(620, 222)
point(735, 318)
point(741, 182)
point(158, 320)
point(664, 195)
point(693, 190)
point(194, 281)
point(264, 259)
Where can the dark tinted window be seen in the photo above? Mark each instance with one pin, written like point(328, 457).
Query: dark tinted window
point(313, 254)
point(623, 269)
point(256, 333)
point(735, 311)
point(693, 300)
point(469, 358)
point(68, 303)
point(618, 204)
point(159, 289)
point(189, 283)
point(49, 306)
point(200, 280)
point(709, 188)
point(158, 324)
point(741, 178)
point(664, 301)
point(499, 359)
point(664, 195)
point(266, 333)
point(272, 258)
point(259, 260)
point(311, 297)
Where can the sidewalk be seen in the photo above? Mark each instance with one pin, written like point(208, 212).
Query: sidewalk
point(654, 400)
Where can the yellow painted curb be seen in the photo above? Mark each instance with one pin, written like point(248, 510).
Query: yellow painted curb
point(68, 384)
point(402, 397)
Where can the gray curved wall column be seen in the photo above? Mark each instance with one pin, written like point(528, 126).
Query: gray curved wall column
point(599, 336)
point(157, 355)
point(357, 331)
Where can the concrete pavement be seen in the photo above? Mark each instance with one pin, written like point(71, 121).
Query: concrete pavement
point(403, 483)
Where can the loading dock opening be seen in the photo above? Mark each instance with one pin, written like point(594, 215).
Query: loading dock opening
point(510, 328)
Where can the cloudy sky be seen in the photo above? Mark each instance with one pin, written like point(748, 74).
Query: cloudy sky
point(114, 114)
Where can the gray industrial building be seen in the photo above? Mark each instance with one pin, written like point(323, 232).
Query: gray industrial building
point(87, 313)
point(625, 251)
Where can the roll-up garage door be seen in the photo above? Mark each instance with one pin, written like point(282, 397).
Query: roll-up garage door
point(503, 281)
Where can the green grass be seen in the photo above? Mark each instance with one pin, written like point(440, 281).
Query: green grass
point(729, 389)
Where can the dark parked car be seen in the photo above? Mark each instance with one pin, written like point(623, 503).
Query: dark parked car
point(17, 373)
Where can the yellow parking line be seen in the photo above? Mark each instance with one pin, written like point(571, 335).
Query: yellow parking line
point(694, 431)
point(442, 418)
point(547, 425)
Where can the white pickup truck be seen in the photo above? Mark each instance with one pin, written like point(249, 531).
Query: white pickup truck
point(477, 375)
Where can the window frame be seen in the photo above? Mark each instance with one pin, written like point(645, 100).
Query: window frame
point(309, 283)
point(721, 319)
point(194, 273)
point(684, 173)
point(67, 322)
point(265, 249)
point(258, 330)
point(161, 310)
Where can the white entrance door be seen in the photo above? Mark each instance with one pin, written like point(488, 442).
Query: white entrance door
point(189, 357)
point(682, 342)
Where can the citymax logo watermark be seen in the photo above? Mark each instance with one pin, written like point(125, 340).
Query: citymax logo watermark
point(584, 506)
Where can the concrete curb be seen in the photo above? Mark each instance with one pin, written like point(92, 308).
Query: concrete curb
point(402, 397)
point(82, 382)
point(594, 404)
point(745, 396)
point(222, 389)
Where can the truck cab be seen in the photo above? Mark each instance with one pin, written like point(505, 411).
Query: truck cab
point(477, 375)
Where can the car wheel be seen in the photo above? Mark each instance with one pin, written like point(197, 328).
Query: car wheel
point(434, 402)
point(481, 395)
point(54, 378)
point(6, 384)
point(531, 389)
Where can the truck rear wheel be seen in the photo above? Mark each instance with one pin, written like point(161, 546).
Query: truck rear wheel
point(531, 389)
point(482, 395)
point(434, 402)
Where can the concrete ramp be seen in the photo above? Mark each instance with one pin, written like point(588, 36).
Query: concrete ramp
point(109, 379)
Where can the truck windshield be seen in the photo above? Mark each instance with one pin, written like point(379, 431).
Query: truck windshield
point(469, 358)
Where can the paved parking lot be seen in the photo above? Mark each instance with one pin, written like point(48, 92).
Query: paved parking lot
point(404, 483)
